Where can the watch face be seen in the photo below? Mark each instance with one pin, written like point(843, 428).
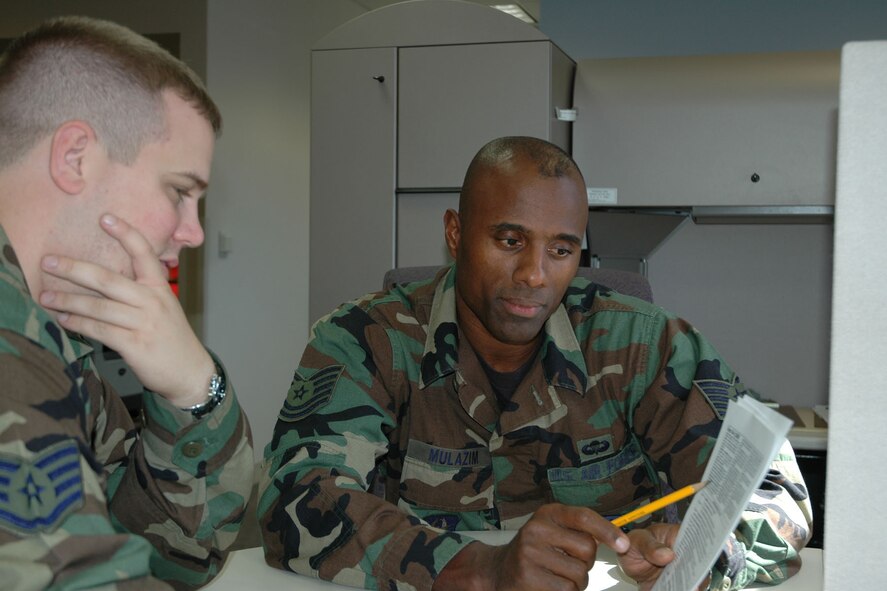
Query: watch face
point(216, 395)
point(215, 385)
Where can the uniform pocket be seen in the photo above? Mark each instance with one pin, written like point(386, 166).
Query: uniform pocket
point(607, 485)
point(448, 479)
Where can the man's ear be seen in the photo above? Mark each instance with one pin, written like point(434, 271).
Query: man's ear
point(452, 231)
point(71, 143)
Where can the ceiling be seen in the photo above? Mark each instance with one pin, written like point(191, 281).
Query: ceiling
point(530, 6)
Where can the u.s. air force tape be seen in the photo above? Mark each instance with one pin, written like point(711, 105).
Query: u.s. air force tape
point(307, 395)
point(38, 493)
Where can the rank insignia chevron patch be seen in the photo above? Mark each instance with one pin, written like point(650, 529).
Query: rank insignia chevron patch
point(719, 393)
point(38, 493)
point(307, 395)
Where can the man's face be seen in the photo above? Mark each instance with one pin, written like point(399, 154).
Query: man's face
point(516, 248)
point(158, 194)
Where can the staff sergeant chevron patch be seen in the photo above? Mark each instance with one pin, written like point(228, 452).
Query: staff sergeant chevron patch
point(36, 494)
point(719, 393)
point(306, 395)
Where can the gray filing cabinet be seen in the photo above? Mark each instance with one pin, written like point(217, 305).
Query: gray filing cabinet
point(402, 98)
point(454, 98)
point(352, 173)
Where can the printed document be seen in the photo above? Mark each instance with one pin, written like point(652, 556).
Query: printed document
point(749, 439)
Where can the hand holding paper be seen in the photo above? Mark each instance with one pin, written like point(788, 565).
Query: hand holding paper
point(749, 440)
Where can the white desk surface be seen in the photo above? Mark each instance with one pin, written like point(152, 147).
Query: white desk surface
point(246, 569)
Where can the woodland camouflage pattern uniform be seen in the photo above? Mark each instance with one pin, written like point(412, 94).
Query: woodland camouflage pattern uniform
point(87, 501)
point(623, 404)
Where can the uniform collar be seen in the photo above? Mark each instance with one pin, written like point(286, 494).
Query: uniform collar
point(11, 275)
point(10, 268)
point(563, 363)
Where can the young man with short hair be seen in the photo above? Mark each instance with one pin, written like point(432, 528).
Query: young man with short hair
point(107, 145)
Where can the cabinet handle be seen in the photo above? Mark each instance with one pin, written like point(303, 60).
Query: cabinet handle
point(379, 78)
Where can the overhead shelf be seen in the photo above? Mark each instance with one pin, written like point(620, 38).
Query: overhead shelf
point(751, 130)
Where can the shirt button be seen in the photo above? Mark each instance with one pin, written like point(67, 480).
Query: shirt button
point(192, 449)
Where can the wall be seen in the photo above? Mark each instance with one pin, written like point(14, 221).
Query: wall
point(634, 28)
point(161, 16)
point(256, 307)
point(762, 294)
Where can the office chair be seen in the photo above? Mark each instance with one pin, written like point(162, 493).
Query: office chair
point(625, 282)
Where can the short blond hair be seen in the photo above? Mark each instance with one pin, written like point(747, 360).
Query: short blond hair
point(78, 68)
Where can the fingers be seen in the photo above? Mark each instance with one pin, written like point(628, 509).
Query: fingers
point(133, 311)
point(537, 539)
point(650, 551)
point(93, 277)
point(112, 283)
point(559, 572)
point(89, 308)
point(553, 551)
point(650, 548)
point(145, 264)
point(111, 335)
point(559, 544)
point(589, 522)
point(106, 304)
point(524, 564)
point(97, 317)
point(542, 556)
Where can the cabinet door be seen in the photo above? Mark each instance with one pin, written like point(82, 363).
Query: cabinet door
point(353, 101)
point(725, 130)
point(455, 98)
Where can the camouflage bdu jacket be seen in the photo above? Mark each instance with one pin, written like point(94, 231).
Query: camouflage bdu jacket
point(86, 500)
point(623, 403)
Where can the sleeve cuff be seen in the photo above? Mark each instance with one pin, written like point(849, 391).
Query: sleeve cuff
point(190, 442)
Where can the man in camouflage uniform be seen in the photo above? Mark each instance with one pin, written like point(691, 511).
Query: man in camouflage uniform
point(99, 123)
point(506, 394)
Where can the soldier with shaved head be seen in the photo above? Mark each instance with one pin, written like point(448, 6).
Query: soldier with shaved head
point(506, 393)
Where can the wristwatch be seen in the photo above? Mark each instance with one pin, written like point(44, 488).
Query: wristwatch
point(215, 395)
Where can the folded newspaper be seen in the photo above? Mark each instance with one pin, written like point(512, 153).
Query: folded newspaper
point(749, 440)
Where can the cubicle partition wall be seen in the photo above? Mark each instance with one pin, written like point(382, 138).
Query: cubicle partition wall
point(857, 405)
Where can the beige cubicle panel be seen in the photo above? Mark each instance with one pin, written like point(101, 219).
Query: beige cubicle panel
point(744, 141)
point(713, 130)
point(856, 520)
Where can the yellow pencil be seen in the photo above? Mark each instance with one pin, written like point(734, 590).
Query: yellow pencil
point(652, 506)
